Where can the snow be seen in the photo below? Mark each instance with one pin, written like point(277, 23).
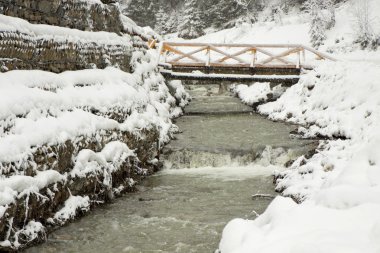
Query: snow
point(2, 210)
point(31, 231)
point(287, 227)
point(107, 161)
point(39, 108)
point(257, 92)
point(294, 29)
point(337, 99)
point(16, 186)
point(338, 188)
point(227, 76)
point(72, 205)
point(60, 34)
point(340, 184)
point(54, 107)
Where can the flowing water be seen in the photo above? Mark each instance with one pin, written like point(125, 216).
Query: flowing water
point(171, 213)
point(185, 210)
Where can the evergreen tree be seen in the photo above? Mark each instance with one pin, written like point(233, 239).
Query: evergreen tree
point(222, 14)
point(364, 31)
point(277, 14)
point(330, 7)
point(191, 23)
point(162, 19)
point(172, 22)
point(142, 12)
point(317, 22)
point(245, 6)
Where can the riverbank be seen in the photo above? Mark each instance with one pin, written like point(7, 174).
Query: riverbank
point(72, 141)
point(338, 187)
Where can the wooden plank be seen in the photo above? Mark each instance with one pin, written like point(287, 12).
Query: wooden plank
point(235, 54)
point(290, 79)
point(188, 64)
point(272, 55)
point(227, 54)
point(152, 43)
point(196, 44)
point(283, 54)
point(254, 57)
point(188, 54)
point(320, 54)
point(201, 64)
point(220, 62)
point(176, 51)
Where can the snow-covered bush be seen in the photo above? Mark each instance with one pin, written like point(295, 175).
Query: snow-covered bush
point(255, 93)
point(365, 35)
point(322, 17)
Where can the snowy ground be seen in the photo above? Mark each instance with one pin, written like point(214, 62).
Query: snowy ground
point(339, 186)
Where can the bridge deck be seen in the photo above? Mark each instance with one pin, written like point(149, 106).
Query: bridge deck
point(212, 78)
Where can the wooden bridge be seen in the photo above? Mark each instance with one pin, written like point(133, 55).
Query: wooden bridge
point(276, 63)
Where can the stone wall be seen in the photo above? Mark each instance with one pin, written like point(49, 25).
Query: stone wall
point(81, 15)
point(28, 46)
point(23, 51)
point(30, 51)
point(42, 206)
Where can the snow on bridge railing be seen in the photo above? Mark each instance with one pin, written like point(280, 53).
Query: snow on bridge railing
point(189, 54)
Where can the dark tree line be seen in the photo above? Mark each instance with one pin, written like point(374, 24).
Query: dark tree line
point(190, 17)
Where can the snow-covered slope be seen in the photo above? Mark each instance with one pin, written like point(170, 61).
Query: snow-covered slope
point(340, 184)
point(338, 188)
point(294, 29)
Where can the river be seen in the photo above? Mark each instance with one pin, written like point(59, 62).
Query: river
point(224, 154)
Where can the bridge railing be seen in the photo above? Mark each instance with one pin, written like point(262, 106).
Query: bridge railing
point(239, 55)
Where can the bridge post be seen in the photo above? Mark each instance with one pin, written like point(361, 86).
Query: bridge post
point(223, 87)
point(303, 56)
point(254, 57)
point(298, 59)
point(208, 56)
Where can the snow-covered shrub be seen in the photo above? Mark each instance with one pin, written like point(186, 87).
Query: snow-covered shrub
point(365, 35)
point(253, 94)
point(257, 92)
point(322, 18)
